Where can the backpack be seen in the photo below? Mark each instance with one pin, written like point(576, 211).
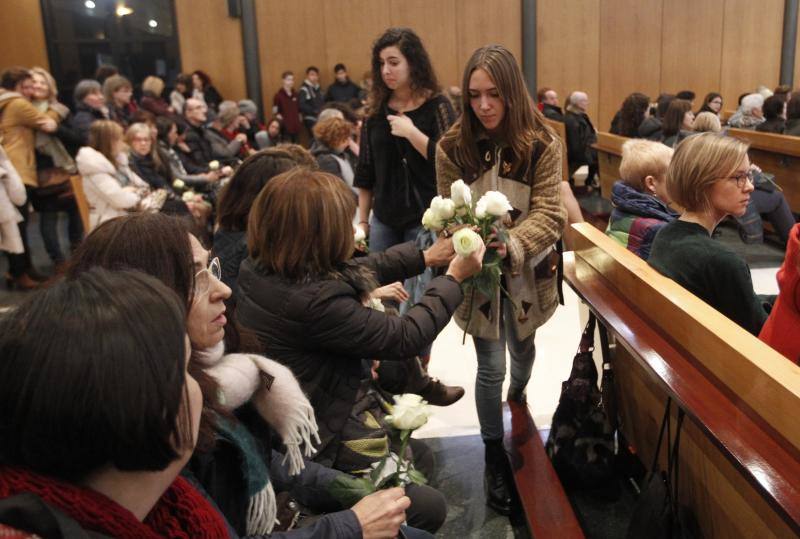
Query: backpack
point(581, 443)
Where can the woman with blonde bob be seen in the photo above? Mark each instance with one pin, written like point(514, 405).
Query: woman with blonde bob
point(706, 122)
point(640, 198)
point(302, 295)
point(501, 143)
point(152, 101)
point(710, 177)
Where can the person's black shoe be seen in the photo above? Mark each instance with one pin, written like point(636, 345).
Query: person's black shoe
point(517, 395)
point(438, 394)
point(496, 478)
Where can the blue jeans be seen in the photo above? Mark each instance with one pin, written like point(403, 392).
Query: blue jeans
point(381, 237)
point(773, 205)
point(414, 533)
point(492, 371)
point(48, 225)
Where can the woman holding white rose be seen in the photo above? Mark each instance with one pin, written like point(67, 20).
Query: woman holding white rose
point(501, 144)
point(304, 301)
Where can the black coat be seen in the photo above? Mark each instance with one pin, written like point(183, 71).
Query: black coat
point(311, 101)
point(580, 136)
point(201, 152)
point(322, 330)
point(83, 117)
point(772, 126)
point(552, 112)
point(343, 92)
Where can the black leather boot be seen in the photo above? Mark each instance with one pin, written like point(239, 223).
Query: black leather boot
point(496, 478)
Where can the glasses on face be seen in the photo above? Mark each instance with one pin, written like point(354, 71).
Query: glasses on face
point(716, 102)
point(202, 280)
point(741, 178)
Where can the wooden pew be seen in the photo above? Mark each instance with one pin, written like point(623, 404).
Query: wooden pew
point(779, 155)
point(76, 181)
point(725, 115)
point(740, 448)
point(609, 156)
point(547, 509)
point(561, 131)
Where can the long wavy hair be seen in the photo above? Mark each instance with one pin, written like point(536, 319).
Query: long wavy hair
point(423, 78)
point(522, 125)
point(631, 115)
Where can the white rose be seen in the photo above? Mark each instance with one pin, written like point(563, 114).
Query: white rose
point(431, 221)
point(460, 194)
point(466, 241)
point(188, 196)
point(409, 412)
point(444, 208)
point(480, 209)
point(213, 165)
point(358, 234)
point(495, 203)
point(178, 184)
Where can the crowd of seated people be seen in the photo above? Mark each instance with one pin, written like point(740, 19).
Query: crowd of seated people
point(252, 371)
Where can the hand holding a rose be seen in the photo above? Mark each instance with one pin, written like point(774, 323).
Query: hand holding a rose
point(469, 248)
point(381, 513)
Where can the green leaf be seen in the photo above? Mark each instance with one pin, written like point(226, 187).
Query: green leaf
point(417, 477)
point(348, 490)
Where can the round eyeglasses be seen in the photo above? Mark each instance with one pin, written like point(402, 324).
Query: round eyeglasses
point(742, 178)
point(202, 279)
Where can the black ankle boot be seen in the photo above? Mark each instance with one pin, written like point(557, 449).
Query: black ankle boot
point(496, 478)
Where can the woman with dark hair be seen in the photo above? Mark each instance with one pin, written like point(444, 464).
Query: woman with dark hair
point(500, 142)
point(793, 115)
point(635, 109)
point(167, 137)
point(204, 90)
point(234, 203)
point(712, 102)
point(108, 422)
point(678, 122)
point(181, 92)
point(118, 93)
point(239, 472)
point(774, 115)
point(396, 176)
point(305, 302)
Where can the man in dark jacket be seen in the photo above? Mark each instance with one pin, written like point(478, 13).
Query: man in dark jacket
point(580, 136)
point(343, 89)
point(548, 104)
point(195, 137)
point(311, 99)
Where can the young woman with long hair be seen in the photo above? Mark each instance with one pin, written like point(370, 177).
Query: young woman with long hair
point(501, 143)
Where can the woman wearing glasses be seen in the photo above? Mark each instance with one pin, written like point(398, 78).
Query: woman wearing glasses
point(712, 103)
point(710, 177)
point(237, 470)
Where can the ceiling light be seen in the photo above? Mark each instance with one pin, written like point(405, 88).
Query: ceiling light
point(123, 10)
point(152, 23)
point(89, 4)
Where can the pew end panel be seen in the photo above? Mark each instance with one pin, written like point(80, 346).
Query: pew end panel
point(609, 156)
point(561, 131)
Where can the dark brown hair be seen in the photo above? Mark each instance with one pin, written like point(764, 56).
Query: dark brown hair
point(236, 198)
point(522, 125)
point(423, 78)
point(13, 76)
point(673, 118)
point(301, 225)
point(631, 114)
point(158, 245)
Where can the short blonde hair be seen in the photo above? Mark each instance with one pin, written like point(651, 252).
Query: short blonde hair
point(698, 163)
point(153, 84)
point(707, 121)
point(136, 129)
point(642, 158)
point(51, 82)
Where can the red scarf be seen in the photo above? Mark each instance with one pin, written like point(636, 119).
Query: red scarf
point(181, 512)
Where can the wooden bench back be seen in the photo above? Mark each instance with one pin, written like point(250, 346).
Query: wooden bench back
point(609, 156)
point(76, 181)
point(779, 155)
point(740, 463)
point(561, 131)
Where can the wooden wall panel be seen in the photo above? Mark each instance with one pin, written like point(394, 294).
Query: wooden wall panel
point(428, 19)
point(630, 53)
point(212, 41)
point(568, 49)
point(751, 53)
point(22, 34)
point(476, 26)
point(691, 47)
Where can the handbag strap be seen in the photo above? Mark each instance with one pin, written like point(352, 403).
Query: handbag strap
point(664, 427)
point(672, 465)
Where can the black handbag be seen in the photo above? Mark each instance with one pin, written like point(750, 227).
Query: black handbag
point(581, 443)
point(657, 514)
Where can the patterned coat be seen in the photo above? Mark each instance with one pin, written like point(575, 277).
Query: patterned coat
point(537, 223)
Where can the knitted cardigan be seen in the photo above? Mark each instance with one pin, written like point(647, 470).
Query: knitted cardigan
point(537, 223)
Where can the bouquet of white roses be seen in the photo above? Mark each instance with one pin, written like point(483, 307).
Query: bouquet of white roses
point(480, 223)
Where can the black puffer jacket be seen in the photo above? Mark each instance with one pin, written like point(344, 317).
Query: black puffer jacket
point(580, 136)
point(322, 330)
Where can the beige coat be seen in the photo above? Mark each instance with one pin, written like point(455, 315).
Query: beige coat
point(19, 121)
point(105, 194)
point(12, 194)
point(538, 221)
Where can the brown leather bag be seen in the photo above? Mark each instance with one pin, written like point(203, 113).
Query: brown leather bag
point(53, 182)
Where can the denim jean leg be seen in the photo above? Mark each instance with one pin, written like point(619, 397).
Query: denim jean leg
point(48, 226)
point(489, 384)
point(74, 226)
point(382, 236)
point(522, 351)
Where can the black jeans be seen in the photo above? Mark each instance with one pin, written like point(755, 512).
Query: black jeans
point(771, 204)
point(48, 226)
